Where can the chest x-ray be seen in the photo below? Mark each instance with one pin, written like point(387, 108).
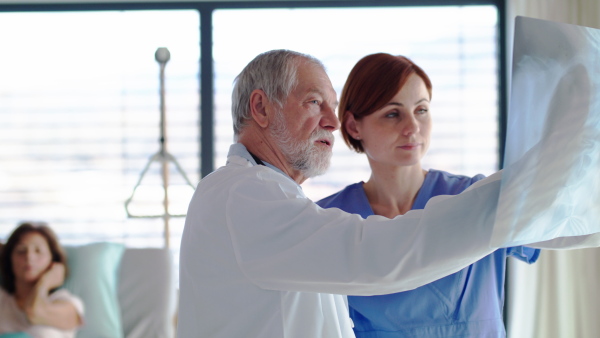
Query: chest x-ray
point(551, 180)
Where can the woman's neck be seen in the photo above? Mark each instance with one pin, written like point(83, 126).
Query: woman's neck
point(391, 191)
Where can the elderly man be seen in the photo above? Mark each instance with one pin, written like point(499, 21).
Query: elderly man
point(259, 259)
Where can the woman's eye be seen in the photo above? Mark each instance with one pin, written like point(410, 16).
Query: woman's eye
point(392, 114)
point(422, 111)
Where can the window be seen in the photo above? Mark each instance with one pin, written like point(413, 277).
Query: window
point(80, 119)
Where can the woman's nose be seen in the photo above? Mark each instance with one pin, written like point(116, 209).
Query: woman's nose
point(410, 126)
point(29, 255)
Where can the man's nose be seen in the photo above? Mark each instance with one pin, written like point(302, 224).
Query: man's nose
point(330, 120)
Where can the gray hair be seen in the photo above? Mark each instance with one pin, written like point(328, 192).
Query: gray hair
point(274, 72)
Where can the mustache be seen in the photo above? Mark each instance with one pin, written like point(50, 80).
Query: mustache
point(322, 134)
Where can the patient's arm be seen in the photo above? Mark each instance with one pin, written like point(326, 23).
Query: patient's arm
point(41, 310)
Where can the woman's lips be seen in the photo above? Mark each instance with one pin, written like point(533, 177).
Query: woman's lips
point(410, 146)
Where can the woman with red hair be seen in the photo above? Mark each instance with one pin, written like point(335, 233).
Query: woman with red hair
point(385, 113)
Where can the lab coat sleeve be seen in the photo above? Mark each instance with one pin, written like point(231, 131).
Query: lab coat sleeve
point(569, 243)
point(284, 241)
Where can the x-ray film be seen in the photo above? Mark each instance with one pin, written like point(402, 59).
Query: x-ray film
point(551, 181)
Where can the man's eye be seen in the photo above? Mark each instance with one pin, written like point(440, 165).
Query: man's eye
point(314, 101)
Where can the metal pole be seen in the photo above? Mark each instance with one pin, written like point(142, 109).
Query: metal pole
point(162, 55)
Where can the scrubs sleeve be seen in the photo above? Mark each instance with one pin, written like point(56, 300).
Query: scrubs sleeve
point(284, 241)
point(523, 253)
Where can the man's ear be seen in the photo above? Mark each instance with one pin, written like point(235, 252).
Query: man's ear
point(259, 105)
point(350, 126)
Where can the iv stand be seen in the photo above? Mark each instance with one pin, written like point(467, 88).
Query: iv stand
point(162, 56)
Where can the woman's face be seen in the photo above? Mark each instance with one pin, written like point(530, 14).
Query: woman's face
point(399, 133)
point(30, 258)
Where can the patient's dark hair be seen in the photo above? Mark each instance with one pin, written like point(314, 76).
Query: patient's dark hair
point(6, 268)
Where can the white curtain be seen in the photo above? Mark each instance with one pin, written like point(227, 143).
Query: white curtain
point(559, 296)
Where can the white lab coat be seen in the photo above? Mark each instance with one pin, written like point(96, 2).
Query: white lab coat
point(259, 259)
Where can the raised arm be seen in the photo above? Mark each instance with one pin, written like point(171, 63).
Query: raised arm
point(283, 241)
point(41, 310)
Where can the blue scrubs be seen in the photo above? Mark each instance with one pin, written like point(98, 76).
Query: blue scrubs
point(468, 303)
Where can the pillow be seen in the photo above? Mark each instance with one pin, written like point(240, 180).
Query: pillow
point(147, 293)
point(93, 271)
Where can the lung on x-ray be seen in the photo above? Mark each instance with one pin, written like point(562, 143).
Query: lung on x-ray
point(551, 181)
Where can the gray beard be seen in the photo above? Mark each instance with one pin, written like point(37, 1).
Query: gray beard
point(303, 156)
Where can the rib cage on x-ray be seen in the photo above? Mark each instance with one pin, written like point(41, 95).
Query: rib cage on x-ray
point(552, 159)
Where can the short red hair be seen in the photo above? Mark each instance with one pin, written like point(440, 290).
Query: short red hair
point(372, 83)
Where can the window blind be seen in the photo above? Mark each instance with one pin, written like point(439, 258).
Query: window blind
point(79, 105)
point(456, 45)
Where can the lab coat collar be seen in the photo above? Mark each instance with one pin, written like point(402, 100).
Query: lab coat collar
point(238, 149)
